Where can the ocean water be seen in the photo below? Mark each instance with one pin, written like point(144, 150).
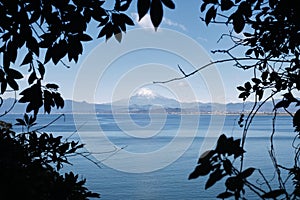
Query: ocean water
point(150, 156)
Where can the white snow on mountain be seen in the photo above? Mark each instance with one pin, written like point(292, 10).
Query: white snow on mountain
point(146, 92)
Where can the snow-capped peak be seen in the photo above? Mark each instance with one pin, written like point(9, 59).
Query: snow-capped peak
point(146, 92)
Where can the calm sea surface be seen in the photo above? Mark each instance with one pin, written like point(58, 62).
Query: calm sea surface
point(150, 156)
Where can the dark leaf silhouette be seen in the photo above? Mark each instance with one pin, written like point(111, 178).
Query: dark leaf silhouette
point(213, 178)
point(32, 77)
point(12, 83)
point(156, 13)
point(226, 4)
point(273, 194)
point(14, 74)
point(85, 37)
point(238, 22)
point(247, 172)
point(234, 183)
point(143, 7)
point(206, 156)
point(282, 104)
point(296, 121)
point(225, 195)
point(211, 14)
point(41, 69)
point(52, 86)
point(201, 170)
point(169, 3)
point(241, 88)
point(227, 166)
point(27, 59)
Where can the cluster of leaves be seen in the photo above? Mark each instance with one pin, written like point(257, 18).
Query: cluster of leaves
point(37, 96)
point(267, 31)
point(156, 9)
point(30, 163)
point(273, 32)
point(59, 29)
point(218, 163)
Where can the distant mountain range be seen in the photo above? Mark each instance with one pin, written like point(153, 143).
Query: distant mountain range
point(145, 103)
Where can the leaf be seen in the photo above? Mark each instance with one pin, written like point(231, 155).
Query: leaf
point(58, 100)
point(225, 195)
point(234, 183)
point(20, 122)
point(238, 22)
point(247, 86)
point(282, 104)
point(206, 156)
point(52, 86)
point(260, 94)
point(249, 52)
point(41, 69)
point(256, 80)
point(108, 28)
point(169, 3)
point(143, 7)
point(210, 14)
point(203, 6)
point(264, 75)
point(241, 88)
point(221, 144)
point(296, 121)
point(126, 19)
point(213, 178)
point(273, 194)
point(201, 170)
point(48, 101)
point(247, 172)
point(33, 45)
point(245, 9)
point(227, 166)
point(48, 55)
point(3, 86)
point(156, 13)
point(85, 37)
point(26, 118)
point(247, 34)
point(226, 4)
point(27, 59)
point(12, 83)
point(32, 78)
point(14, 73)
point(244, 95)
point(118, 36)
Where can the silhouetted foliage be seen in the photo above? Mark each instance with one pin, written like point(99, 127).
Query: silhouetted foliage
point(267, 31)
point(30, 164)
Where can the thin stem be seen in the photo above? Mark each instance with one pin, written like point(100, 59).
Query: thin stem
point(45, 126)
point(216, 62)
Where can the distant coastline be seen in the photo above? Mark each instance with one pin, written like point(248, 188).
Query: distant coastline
point(161, 106)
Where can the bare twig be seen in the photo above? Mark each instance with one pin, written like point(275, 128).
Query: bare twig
point(216, 62)
point(45, 126)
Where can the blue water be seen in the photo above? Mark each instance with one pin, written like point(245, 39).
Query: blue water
point(162, 176)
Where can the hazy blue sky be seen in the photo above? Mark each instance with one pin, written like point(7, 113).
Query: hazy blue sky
point(109, 71)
